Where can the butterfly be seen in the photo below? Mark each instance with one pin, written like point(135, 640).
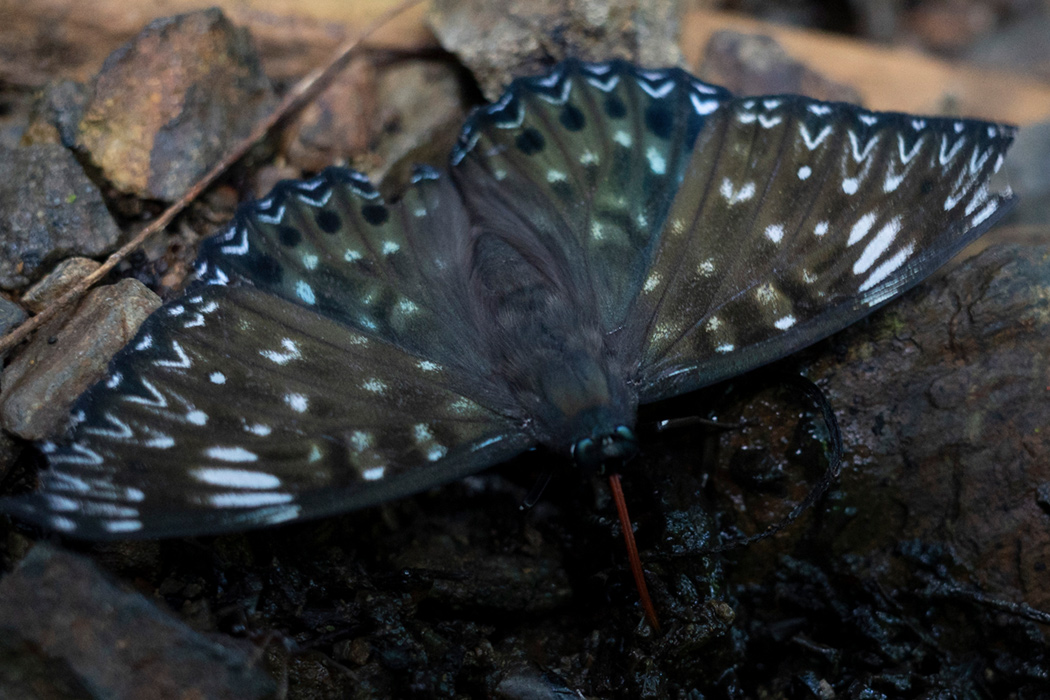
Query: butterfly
point(604, 236)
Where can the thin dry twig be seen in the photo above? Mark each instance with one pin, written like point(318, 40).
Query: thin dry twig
point(299, 95)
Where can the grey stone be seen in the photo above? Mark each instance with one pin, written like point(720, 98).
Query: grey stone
point(55, 114)
point(11, 315)
point(499, 40)
point(49, 210)
point(68, 631)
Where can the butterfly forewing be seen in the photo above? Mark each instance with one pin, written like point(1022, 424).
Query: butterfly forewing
point(798, 217)
point(311, 417)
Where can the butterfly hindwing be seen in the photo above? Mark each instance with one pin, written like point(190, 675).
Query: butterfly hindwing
point(333, 245)
point(798, 217)
point(583, 164)
point(311, 417)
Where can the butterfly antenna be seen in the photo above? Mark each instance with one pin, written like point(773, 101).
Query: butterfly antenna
point(632, 551)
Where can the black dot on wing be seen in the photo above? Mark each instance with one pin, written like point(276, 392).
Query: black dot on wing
point(289, 236)
point(615, 107)
point(328, 221)
point(572, 118)
point(375, 214)
point(659, 120)
point(926, 187)
point(530, 141)
point(268, 270)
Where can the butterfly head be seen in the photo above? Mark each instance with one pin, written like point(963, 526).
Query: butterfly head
point(596, 453)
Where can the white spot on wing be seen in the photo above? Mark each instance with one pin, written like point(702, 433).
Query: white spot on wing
point(122, 525)
point(305, 292)
point(376, 386)
point(360, 440)
point(236, 478)
point(988, 210)
point(906, 156)
point(784, 322)
point(878, 245)
point(231, 454)
point(702, 106)
point(248, 500)
point(775, 232)
point(887, 268)
point(373, 474)
point(657, 163)
point(297, 402)
point(768, 121)
point(290, 352)
point(861, 228)
point(804, 172)
point(735, 196)
point(657, 91)
point(811, 141)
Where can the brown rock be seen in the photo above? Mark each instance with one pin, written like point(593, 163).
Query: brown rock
point(500, 40)
point(167, 105)
point(753, 64)
point(67, 629)
point(381, 121)
point(41, 384)
point(49, 210)
point(59, 281)
point(942, 402)
point(421, 109)
point(339, 125)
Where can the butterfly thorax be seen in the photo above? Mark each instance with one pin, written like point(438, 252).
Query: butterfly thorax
point(551, 353)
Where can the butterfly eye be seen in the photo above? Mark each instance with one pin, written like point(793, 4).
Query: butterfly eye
point(585, 454)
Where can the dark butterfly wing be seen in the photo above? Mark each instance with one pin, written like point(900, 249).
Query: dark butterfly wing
point(579, 168)
point(332, 384)
point(334, 354)
point(334, 246)
point(798, 217)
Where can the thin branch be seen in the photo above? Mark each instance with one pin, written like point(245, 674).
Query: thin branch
point(301, 93)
